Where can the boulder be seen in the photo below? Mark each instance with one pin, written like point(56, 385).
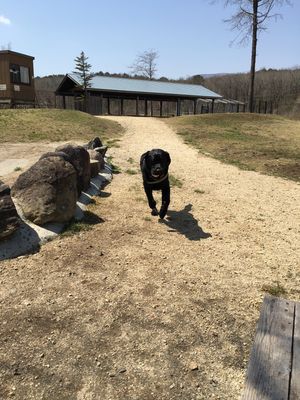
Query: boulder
point(102, 150)
point(92, 144)
point(80, 159)
point(9, 219)
point(94, 155)
point(95, 168)
point(47, 191)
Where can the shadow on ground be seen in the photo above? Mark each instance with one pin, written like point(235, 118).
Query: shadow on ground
point(184, 223)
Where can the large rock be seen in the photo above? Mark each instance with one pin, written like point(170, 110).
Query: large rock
point(47, 191)
point(9, 219)
point(94, 155)
point(92, 144)
point(80, 159)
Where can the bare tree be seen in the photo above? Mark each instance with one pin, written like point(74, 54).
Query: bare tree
point(250, 19)
point(145, 64)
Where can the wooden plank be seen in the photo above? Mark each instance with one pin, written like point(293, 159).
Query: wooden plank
point(268, 375)
point(295, 379)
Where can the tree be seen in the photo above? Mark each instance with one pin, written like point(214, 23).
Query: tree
point(83, 68)
point(250, 19)
point(145, 64)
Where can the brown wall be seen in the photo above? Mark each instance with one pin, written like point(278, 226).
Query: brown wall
point(26, 92)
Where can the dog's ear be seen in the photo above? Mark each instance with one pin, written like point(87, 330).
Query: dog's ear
point(168, 158)
point(144, 157)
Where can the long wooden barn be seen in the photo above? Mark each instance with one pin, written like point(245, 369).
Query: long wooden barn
point(120, 96)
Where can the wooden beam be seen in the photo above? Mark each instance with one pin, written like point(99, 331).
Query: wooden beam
point(268, 374)
point(195, 106)
point(108, 105)
point(101, 105)
point(146, 108)
point(161, 108)
point(178, 107)
point(212, 106)
point(122, 106)
point(295, 378)
point(137, 105)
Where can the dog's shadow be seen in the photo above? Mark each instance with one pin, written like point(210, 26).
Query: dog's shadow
point(184, 223)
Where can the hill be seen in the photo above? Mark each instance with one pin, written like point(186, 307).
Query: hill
point(35, 125)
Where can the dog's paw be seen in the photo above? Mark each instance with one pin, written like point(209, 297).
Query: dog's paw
point(162, 214)
point(154, 211)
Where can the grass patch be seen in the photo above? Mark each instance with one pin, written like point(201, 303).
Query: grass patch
point(86, 224)
point(175, 182)
point(130, 160)
point(74, 227)
point(131, 172)
point(18, 169)
point(265, 143)
point(115, 169)
point(274, 289)
point(34, 125)
point(199, 191)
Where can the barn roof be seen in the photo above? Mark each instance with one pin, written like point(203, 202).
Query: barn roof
point(139, 86)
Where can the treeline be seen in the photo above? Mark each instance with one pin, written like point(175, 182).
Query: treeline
point(280, 89)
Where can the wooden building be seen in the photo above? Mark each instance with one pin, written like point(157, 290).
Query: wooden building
point(119, 96)
point(16, 80)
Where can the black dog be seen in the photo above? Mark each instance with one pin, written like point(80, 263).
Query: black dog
point(154, 166)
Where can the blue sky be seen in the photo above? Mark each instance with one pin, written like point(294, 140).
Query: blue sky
point(189, 35)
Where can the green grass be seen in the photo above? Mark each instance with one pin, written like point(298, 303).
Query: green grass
point(199, 191)
point(264, 143)
point(275, 289)
point(175, 182)
point(130, 171)
point(34, 125)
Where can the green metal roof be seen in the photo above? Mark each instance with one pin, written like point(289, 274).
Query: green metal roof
point(109, 84)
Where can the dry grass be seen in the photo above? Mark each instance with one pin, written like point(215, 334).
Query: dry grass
point(34, 125)
point(264, 143)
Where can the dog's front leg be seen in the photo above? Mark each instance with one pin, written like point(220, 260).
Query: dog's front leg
point(151, 201)
point(165, 201)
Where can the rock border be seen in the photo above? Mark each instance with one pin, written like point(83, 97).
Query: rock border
point(29, 237)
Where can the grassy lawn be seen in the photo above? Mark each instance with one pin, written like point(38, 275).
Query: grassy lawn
point(35, 125)
point(264, 143)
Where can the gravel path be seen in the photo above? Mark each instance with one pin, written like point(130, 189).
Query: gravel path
point(137, 309)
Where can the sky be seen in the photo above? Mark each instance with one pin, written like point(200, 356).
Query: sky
point(190, 36)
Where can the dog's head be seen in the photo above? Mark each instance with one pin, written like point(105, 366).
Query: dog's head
point(157, 162)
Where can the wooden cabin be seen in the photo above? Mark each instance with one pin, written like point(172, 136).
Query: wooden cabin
point(16, 80)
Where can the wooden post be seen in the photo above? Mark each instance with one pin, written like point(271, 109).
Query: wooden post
point(108, 105)
point(160, 108)
point(122, 106)
point(266, 107)
point(178, 107)
point(137, 105)
point(151, 106)
point(101, 105)
point(212, 106)
point(64, 102)
point(146, 108)
point(195, 106)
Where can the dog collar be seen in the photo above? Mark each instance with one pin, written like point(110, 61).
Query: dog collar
point(159, 181)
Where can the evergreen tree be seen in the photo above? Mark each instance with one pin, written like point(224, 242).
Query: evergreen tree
point(83, 68)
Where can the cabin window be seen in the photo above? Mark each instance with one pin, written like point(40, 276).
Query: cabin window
point(19, 74)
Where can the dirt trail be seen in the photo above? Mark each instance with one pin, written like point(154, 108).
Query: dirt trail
point(137, 309)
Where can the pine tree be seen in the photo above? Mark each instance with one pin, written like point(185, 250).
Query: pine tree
point(83, 68)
